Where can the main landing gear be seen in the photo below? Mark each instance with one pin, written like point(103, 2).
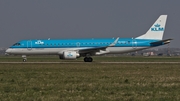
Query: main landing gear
point(88, 59)
point(24, 58)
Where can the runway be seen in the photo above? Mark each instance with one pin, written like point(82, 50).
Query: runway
point(89, 62)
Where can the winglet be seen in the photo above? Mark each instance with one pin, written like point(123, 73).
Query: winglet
point(114, 43)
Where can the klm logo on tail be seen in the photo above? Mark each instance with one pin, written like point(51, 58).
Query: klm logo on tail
point(157, 27)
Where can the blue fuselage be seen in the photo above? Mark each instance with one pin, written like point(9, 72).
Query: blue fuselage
point(56, 47)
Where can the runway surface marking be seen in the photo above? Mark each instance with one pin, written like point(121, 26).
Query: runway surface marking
point(89, 62)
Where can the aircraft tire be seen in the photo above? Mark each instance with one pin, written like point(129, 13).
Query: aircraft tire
point(85, 59)
point(88, 59)
point(24, 60)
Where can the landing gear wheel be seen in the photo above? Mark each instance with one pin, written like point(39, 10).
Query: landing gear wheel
point(24, 60)
point(88, 59)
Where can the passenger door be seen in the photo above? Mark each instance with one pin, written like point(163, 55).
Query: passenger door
point(29, 45)
point(134, 43)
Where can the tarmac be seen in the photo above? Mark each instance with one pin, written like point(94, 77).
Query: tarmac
point(89, 62)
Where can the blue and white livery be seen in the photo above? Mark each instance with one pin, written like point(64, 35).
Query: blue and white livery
point(75, 48)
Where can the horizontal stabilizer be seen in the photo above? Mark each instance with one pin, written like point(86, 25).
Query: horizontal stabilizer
point(166, 41)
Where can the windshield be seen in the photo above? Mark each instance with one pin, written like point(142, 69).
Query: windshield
point(17, 44)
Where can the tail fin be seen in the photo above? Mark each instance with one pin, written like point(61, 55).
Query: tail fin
point(157, 29)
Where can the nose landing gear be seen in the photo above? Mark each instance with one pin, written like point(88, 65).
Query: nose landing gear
point(24, 58)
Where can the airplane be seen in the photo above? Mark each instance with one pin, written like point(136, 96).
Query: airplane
point(76, 48)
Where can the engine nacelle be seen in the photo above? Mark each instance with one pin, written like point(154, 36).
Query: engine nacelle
point(69, 55)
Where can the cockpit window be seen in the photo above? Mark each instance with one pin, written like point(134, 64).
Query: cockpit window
point(17, 44)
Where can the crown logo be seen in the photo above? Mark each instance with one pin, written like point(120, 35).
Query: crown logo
point(157, 25)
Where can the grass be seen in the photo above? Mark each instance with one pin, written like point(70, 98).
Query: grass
point(89, 82)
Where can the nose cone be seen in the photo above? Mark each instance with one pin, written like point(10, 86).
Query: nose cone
point(8, 51)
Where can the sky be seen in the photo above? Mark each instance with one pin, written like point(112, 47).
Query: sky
point(61, 19)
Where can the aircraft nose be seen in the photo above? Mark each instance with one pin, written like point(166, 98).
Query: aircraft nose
point(8, 51)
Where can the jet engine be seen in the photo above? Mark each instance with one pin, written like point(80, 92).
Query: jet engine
point(69, 55)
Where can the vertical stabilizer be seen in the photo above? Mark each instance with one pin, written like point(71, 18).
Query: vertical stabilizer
point(157, 29)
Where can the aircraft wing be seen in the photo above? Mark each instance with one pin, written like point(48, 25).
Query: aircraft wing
point(166, 41)
point(91, 49)
point(96, 49)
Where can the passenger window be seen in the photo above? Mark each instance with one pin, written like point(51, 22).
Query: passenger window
point(128, 42)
